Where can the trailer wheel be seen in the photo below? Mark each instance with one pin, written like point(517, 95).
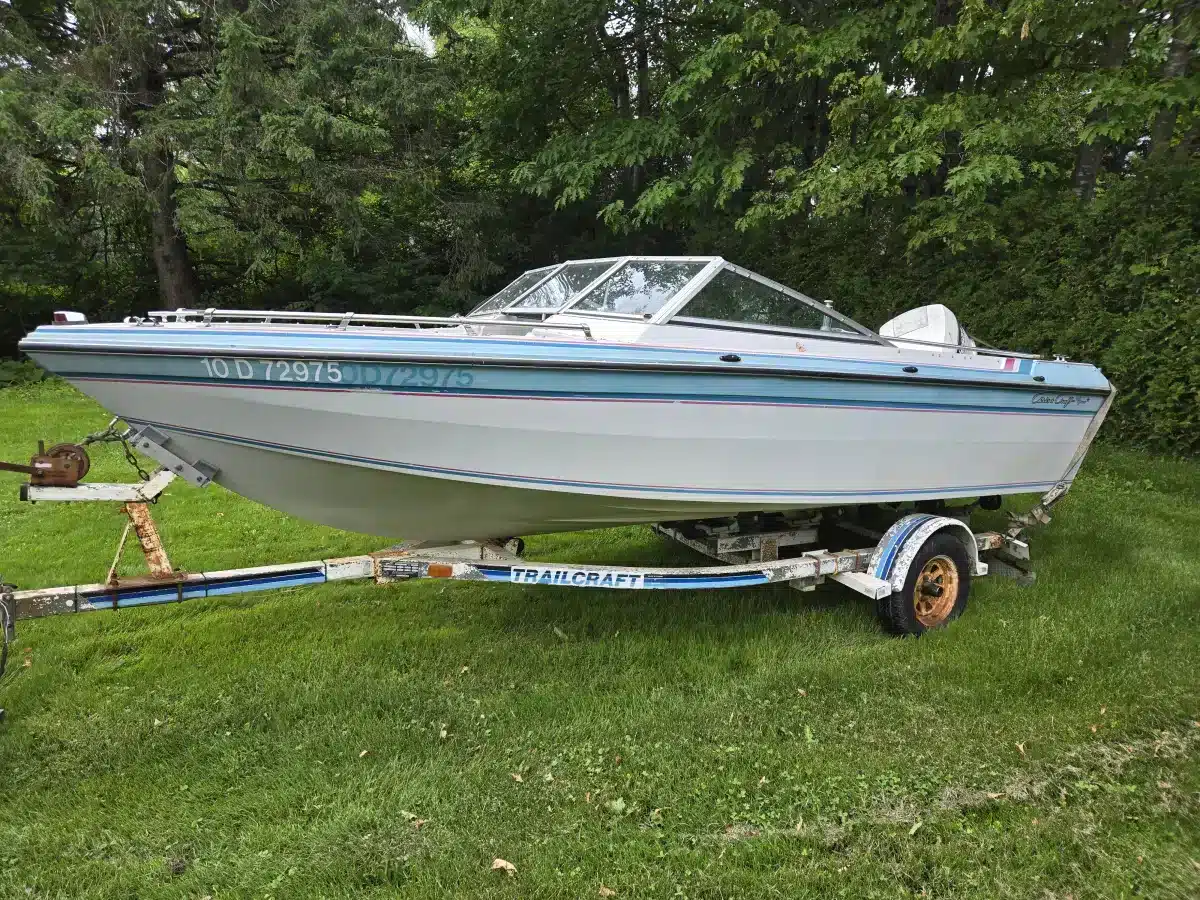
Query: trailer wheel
point(935, 591)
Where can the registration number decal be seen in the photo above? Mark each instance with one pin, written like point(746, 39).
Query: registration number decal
point(299, 371)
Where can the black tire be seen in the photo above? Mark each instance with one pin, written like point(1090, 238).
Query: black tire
point(943, 552)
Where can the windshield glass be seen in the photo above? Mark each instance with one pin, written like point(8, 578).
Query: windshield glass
point(566, 283)
point(731, 297)
point(514, 290)
point(639, 288)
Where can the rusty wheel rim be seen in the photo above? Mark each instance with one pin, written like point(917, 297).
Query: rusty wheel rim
point(936, 591)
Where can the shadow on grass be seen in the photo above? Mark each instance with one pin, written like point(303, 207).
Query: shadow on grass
point(604, 612)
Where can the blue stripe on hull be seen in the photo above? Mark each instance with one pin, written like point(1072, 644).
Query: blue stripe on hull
point(549, 384)
point(809, 398)
point(428, 347)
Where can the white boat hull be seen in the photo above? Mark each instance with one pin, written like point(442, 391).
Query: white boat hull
point(446, 466)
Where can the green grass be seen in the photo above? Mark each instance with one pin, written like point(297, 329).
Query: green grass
point(757, 743)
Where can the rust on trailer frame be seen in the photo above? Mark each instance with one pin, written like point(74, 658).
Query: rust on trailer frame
point(149, 539)
point(141, 523)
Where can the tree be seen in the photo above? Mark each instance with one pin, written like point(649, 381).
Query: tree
point(259, 122)
point(773, 111)
point(1183, 20)
point(1032, 162)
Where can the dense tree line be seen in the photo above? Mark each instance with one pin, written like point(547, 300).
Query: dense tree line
point(1035, 164)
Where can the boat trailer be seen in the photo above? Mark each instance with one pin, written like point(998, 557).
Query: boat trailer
point(915, 565)
point(748, 549)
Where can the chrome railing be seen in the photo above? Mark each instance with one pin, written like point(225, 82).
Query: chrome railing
point(339, 321)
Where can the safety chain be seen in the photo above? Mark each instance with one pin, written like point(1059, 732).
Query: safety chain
point(111, 435)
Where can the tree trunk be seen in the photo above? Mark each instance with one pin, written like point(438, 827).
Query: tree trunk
point(617, 75)
point(643, 63)
point(1189, 145)
point(177, 283)
point(637, 175)
point(944, 79)
point(1178, 60)
point(1087, 163)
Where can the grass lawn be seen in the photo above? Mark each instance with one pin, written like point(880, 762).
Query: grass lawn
point(368, 741)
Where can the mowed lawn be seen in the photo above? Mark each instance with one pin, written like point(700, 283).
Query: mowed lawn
point(377, 741)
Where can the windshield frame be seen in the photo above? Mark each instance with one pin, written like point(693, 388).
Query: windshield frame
point(676, 312)
point(687, 290)
point(515, 309)
point(547, 273)
point(542, 312)
point(673, 310)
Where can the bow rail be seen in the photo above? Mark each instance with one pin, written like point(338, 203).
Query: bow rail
point(339, 321)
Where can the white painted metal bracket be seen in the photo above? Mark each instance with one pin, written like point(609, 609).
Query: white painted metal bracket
point(867, 585)
point(155, 444)
point(141, 492)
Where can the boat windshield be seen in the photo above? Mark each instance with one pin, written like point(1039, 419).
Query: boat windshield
point(514, 290)
point(734, 299)
point(554, 293)
point(640, 288)
point(545, 290)
point(690, 290)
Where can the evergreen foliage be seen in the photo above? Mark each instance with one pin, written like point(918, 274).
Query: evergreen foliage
point(1031, 163)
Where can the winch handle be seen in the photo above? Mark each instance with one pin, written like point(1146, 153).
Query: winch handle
point(22, 469)
point(17, 467)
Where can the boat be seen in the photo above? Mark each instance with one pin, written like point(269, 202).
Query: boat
point(586, 394)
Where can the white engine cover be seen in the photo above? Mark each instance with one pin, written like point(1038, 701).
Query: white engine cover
point(934, 324)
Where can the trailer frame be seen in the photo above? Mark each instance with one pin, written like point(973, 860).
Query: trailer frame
point(746, 547)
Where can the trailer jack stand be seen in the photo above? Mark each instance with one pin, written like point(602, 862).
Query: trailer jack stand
point(141, 523)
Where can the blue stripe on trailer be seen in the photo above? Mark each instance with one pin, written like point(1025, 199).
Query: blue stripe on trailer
point(210, 586)
point(884, 568)
point(691, 582)
point(245, 584)
point(496, 573)
point(170, 592)
point(627, 581)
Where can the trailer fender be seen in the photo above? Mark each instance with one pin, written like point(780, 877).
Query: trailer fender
point(900, 544)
